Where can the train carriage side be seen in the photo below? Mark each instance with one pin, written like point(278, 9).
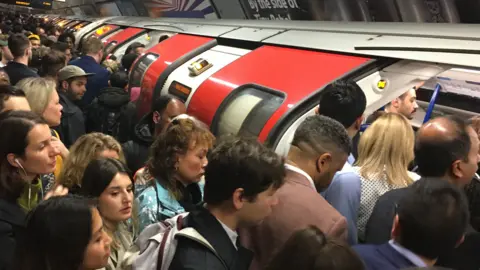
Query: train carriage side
point(150, 70)
point(95, 23)
point(121, 37)
point(267, 90)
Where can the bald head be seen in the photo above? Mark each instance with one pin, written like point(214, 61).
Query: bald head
point(441, 128)
point(443, 142)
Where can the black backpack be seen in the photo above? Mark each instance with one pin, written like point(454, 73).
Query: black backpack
point(108, 120)
point(111, 120)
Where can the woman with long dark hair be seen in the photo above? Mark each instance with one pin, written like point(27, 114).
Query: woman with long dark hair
point(63, 233)
point(108, 181)
point(26, 151)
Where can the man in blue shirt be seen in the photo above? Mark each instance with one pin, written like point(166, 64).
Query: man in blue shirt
point(346, 103)
point(92, 49)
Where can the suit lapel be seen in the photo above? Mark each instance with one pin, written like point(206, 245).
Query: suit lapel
point(209, 227)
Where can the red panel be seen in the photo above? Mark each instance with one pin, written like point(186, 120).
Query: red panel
point(104, 30)
point(169, 51)
point(122, 36)
point(295, 72)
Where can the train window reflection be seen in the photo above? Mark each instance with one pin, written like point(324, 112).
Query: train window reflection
point(139, 69)
point(150, 39)
point(80, 26)
point(70, 24)
point(246, 111)
point(110, 46)
point(101, 31)
point(111, 34)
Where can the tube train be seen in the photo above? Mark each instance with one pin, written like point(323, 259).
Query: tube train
point(263, 78)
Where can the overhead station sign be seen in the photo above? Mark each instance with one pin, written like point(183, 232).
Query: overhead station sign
point(276, 9)
point(42, 4)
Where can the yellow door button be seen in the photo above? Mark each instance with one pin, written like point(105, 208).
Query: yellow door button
point(382, 84)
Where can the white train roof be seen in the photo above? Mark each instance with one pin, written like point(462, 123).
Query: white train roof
point(455, 44)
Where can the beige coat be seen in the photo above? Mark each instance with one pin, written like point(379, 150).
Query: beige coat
point(125, 240)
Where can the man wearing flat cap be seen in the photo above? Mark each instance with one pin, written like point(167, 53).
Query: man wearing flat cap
point(72, 82)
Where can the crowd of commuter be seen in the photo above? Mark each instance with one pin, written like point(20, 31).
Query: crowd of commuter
point(84, 184)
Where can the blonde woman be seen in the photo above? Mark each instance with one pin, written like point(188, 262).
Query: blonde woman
point(83, 151)
point(43, 99)
point(384, 153)
point(110, 65)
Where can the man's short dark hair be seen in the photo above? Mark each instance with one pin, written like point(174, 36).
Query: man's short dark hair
point(435, 156)
point(343, 101)
point(17, 28)
point(241, 163)
point(63, 37)
point(161, 103)
point(133, 47)
point(119, 79)
point(60, 46)
point(17, 44)
point(128, 60)
point(52, 63)
point(322, 134)
point(7, 91)
point(433, 216)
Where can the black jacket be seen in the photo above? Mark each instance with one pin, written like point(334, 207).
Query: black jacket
point(136, 150)
point(72, 125)
point(17, 72)
point(12, 228)
point(111, 99)
point(192, 255)
point(379, 226)
point(473, 195)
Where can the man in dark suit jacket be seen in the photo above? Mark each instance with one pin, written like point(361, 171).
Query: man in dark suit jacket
point(445, 147)
point(430, 220)
point(21, 50)
point(90, 62)
point(241, 180)
point(319, 149)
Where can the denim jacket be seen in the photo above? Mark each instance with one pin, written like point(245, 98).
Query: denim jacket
point(156, 204)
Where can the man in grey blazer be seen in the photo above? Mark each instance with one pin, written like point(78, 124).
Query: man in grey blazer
point(319, 149)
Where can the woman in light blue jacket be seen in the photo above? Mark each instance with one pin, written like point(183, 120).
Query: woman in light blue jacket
point(176, 164)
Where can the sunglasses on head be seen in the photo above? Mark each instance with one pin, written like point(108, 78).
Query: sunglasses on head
point(176, 119)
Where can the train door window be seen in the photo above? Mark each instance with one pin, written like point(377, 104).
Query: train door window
point(150, 39)
point(109, 35)
point(102, 31)
point(70, 24)
point(140, 68)
point(110, 46)
point(80, 26)
point(91, 33)
point(246, 111)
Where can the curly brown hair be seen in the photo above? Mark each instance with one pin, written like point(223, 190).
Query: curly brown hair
point(84, 150)
point(183, 134)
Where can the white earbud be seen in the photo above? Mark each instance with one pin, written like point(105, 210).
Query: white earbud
point(21, 167)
